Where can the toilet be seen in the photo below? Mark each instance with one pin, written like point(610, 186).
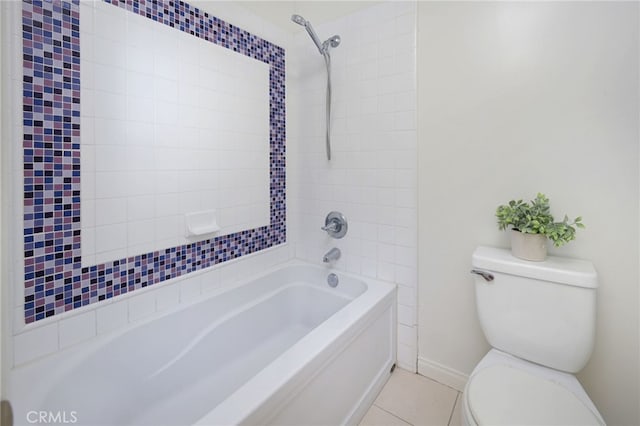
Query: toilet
point(539, 318)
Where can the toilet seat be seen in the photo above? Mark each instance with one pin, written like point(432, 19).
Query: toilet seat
point(503, 395)
point(505, 390)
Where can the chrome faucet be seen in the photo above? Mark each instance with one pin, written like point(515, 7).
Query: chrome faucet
point(333, 254)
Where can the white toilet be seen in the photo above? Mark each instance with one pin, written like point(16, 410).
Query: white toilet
point(539, 318)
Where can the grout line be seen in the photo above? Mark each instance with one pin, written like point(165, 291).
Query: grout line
point(397, 417)
point(440, 383)
point(453, 409)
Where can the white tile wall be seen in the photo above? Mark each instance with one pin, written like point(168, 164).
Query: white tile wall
point(167, 297)
point(50, 335)
point(189, 134)
point(77, 329)
point(372, 177)
point(113, 315)
point(142, 305)
point(38, 342)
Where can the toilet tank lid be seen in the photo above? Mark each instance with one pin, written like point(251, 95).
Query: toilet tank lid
point(564, 270)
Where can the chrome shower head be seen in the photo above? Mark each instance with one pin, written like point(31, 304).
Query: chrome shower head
point(323, 48)
point(307, 26)
point(299, 20)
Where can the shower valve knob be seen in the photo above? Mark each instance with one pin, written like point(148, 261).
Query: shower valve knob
point(335, 224)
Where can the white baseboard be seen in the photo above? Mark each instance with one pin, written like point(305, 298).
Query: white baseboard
point(406, 366)
point(442, 374)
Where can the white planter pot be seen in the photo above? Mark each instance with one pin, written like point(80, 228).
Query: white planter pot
point(529, 246)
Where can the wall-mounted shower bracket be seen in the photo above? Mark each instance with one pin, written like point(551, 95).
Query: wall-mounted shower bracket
point(335, 224)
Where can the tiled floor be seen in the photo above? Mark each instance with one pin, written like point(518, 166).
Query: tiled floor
point(411, 399)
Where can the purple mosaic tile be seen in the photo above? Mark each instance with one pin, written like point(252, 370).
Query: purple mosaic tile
point(55, 280)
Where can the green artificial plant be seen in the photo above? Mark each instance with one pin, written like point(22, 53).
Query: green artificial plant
point(535, 218)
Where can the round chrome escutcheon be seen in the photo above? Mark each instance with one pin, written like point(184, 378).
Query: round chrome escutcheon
point(332, 280)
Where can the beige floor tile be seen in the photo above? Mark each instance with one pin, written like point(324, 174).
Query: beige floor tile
point(416, 399)
point(456, 417)
point(378, 417)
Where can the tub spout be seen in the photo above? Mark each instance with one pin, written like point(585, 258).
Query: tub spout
point(333, 254)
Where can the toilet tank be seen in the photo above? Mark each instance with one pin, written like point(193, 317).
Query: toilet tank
point(543, 312)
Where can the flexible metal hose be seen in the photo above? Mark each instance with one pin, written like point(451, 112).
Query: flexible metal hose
point(327, 60)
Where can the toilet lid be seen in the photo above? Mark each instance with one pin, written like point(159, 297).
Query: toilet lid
point(503, 395)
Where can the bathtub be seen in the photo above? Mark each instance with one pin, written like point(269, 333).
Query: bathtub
point(282, 348)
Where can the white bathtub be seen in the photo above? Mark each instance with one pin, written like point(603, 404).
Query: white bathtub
point(284, 348)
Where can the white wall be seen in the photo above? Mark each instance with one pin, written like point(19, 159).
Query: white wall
point(516, 98)
point(318, 12)
point(371, 177)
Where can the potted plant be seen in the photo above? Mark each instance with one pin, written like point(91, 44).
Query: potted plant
point(531, 224)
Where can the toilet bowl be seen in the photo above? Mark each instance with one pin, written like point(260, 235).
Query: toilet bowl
point(539, 318)
point(506, 390)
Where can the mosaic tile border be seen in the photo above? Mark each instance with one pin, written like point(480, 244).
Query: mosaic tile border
point(54, 278)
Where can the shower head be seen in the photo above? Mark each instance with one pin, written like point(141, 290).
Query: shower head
point(323, 48)
point(307, 26)
point(299, 20)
